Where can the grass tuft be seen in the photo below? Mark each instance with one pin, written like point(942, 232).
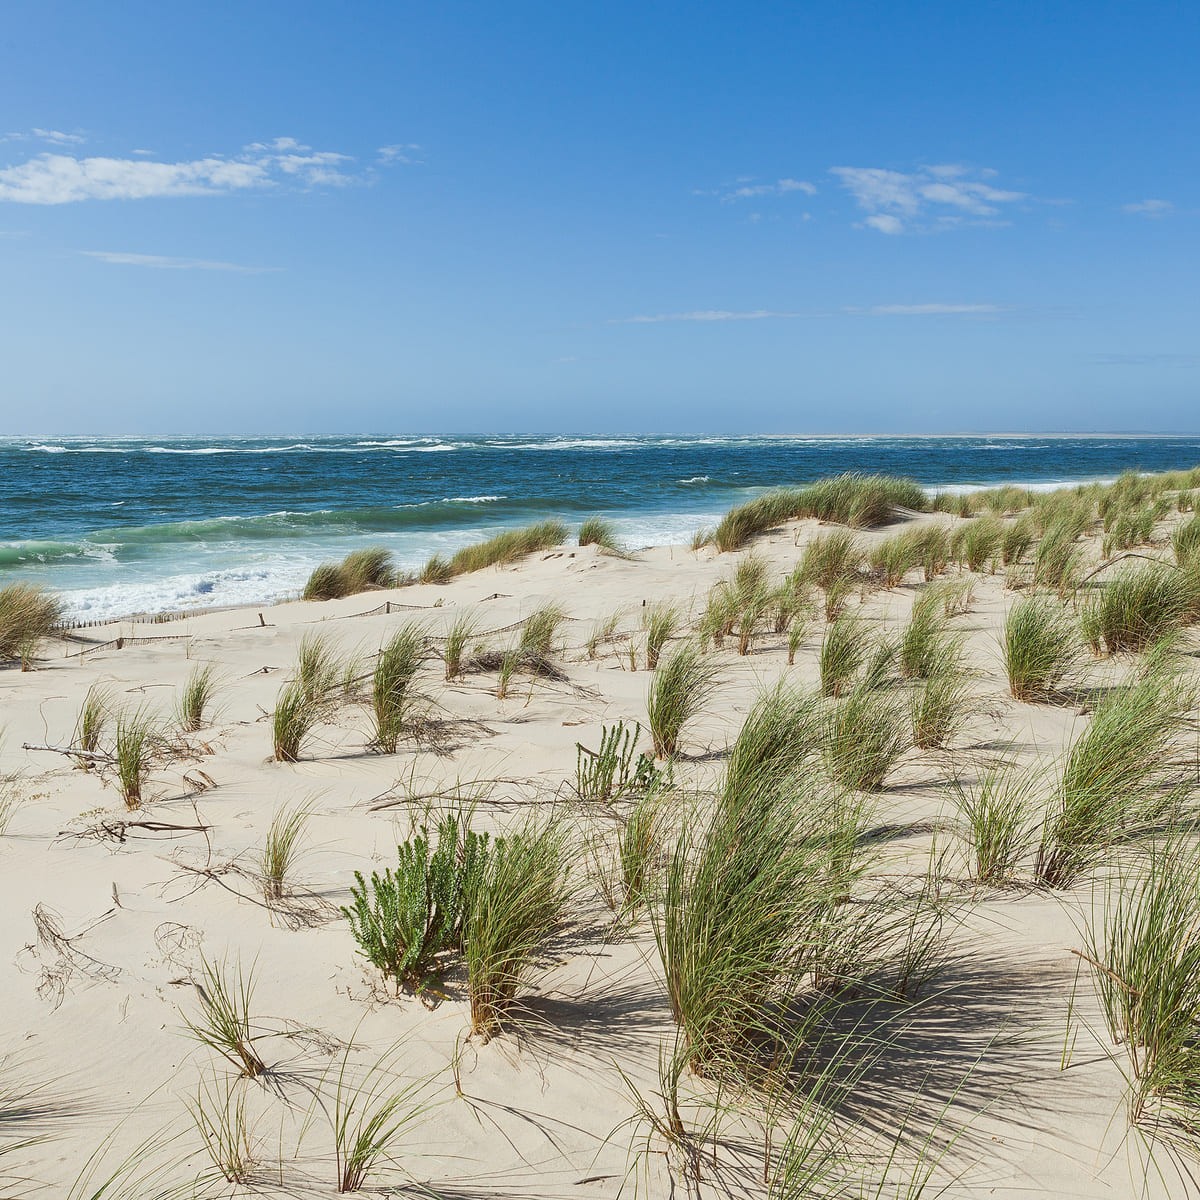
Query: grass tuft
point(28, 616)
point(193, 710)
point(518, 905)
point(138, 740)
point(1115, 783)
point(596, 531)
point(508, 546)
point(1041, 650)
point(223, 1023)
point(679, 690)
point(391, 685)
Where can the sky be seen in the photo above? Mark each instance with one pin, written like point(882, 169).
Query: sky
point(598, 217)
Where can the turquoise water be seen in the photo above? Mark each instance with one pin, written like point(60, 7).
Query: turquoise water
point(142, 525)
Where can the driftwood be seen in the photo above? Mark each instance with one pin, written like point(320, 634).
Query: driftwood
point(71, 752)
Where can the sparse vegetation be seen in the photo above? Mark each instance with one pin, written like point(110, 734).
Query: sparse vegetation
point(223, 1022)
point(1000, 812)
point(281, 849)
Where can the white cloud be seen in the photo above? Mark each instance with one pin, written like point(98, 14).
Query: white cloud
point(706, 314)
point(1149, 208)
point(927, 310)
point(61, 178)
point(402, 153)
point(163, 262)
point(945, 194)
point(781, 187)
point(58, 137)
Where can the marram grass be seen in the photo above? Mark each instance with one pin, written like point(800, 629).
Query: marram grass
point(679, 690)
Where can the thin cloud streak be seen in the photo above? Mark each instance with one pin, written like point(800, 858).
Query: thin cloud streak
point(163, 262)
point(58, 178)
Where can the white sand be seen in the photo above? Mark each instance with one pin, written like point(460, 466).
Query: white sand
point(98, 1036)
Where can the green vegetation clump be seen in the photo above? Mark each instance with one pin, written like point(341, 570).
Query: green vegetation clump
point(28, 616)
point(1140, 606)
point(1144, 949)
point(508, 546)
point(596, 531)
point(359, 571)
point(391, 685)
point(679, 690)
point(517, 905)
point(410, 922)
point(1115, 784)
point(863, 501)
point(1041, 649)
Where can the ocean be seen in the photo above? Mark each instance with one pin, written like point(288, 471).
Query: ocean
point(132, 525)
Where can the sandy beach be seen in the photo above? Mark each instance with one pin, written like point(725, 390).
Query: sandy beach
point(1003, 1059)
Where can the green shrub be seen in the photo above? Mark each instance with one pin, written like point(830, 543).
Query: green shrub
point(616, 769)
point(410, 922)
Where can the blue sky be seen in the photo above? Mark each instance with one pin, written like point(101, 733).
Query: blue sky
point(302, 217)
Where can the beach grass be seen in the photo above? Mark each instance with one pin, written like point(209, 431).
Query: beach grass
point(862, 501)
point(223, 1023)
point(285, 836)
point(844, 650)
point(501, 549)
point(661, 622)
point(1000, 812)
point(941, 704)
point(679, 690)
point(457, 639)
point(597, 531)
point(520, 902)
point(296, 715)
point(137, 740)
point(360, 571)
point(1115, 784)
point(865, 735)
point(29, 615)
point(1041, 650)
point(399, 660)
point(1140, 605)
point(194, 707)
point(1143, 943)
